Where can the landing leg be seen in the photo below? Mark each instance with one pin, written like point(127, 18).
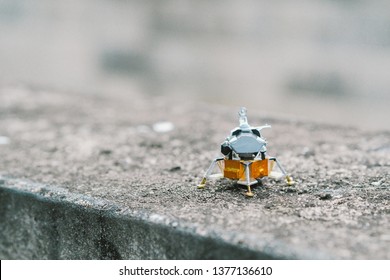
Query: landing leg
point(249, 193)
point(289, 179)
point(208, 172)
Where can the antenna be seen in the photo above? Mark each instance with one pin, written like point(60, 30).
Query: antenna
point(243, 119)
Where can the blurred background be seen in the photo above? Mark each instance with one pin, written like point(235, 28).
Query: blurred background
point(322, 60)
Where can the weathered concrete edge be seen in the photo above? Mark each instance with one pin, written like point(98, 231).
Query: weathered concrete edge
point(45, 222)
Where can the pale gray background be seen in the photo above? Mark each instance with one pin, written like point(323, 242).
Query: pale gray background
point(323, 60)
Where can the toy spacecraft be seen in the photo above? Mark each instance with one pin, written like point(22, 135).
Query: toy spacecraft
point(245, 158)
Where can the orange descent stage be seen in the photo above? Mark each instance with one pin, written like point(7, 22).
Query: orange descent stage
point(235, 170)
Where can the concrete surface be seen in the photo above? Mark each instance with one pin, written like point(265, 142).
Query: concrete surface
point(89, 177)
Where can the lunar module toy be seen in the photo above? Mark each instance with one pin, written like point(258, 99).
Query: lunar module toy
point(245, 158)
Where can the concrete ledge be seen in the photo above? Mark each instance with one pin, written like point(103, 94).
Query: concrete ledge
point(49, 223)
point(101, 176)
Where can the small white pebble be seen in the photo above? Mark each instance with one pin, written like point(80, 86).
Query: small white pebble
point(162, 127)
point(377, 183)
point(4, 140)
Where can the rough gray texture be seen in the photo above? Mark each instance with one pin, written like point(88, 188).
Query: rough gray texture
point(50, 223)
point(86, 176)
